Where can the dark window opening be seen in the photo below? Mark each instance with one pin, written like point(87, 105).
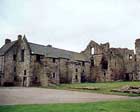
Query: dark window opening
point(54, 60)
point(135, 59)
point(115, 64)
point(22, 55)
point(104, 74)
point(15, 78)
point(14, 57)
point(38, 58)
point(53, 75)
point(127, 78)
point(104, 63)
point(76, 77)
point(15, 69)
point(92, 62)
point(36, 79)
point(83, 63)
point(76, 70)
point(24, 72)
point(83, 77)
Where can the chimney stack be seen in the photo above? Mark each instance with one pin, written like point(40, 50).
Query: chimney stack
point(7, 41)
point(19, 37)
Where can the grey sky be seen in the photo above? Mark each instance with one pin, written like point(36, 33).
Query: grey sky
point(71, 24)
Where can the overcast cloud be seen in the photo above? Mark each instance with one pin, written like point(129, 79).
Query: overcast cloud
point(71, 24)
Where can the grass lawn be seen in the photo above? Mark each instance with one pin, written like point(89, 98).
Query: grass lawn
point(110, 106)
point(105, 88)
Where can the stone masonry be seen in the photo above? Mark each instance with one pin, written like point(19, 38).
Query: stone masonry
point(23, 63)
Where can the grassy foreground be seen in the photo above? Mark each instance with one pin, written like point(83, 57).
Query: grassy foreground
point(111, 106)
point(105, 88)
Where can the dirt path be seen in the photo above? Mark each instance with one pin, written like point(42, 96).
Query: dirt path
point(17, 95)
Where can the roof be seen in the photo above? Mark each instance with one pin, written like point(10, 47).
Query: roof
point(55, 52)
point(47, 51)
point(6, 47)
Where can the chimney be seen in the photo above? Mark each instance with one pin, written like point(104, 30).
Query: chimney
point(49, 45)
point(19, 37)
point(7, 41)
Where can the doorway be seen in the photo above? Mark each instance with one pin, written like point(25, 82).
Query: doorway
point(24, 82)
point(127, 78)
point(83, 77)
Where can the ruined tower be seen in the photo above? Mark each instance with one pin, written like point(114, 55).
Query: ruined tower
point(137, 48)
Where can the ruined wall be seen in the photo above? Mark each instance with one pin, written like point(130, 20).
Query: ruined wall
point(9, 66)
point(63, 70)
point(37, 69)
point(137, 48)
point(115, 66)
point(110, 64)
point(1, 69)
point(121, 64)
point(74, 70)
point(23, 65)
point(2, 64)
point(52, 69)
point(95, 53)
point(85, 71)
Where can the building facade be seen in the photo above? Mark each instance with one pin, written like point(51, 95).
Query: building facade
point(23, 63)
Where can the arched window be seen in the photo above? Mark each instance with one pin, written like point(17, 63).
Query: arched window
point(92, 51)
point(130, 57)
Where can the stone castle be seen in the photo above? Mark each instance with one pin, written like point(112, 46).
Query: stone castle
point(23, 63)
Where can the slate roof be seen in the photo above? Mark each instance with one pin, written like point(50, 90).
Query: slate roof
point(55, 52)
point(47, 51)
point(6, 47)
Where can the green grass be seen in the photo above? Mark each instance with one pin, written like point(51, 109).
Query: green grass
point(105, 88)
point(110, 106)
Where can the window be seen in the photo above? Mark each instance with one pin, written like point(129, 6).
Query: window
point(53, 75)
point(92, 62)
point(104, 63)
point(92, 51)
point(83, 63)
point(130, 57)
point(54, 60)
point(76, 77)
point(15, 78)
point(15, 69)
point(76, 70)
point(36, 79)
point(24, 72)
point(14, 57)
point(104, 74)
point(38, 58)
point(22, 55)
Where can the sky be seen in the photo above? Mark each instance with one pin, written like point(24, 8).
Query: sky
point(71, 24)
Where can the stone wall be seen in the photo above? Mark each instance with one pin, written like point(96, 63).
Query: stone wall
point(137, 47)
point(9, 66)
point(23, 65)
point(63, 70)
point(37, 69)
point(97, 63)
point(52, 69)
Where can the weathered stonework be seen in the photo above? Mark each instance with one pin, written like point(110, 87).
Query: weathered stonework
point(27, 64)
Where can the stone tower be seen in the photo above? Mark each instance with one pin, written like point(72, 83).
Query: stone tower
point(137, 48)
